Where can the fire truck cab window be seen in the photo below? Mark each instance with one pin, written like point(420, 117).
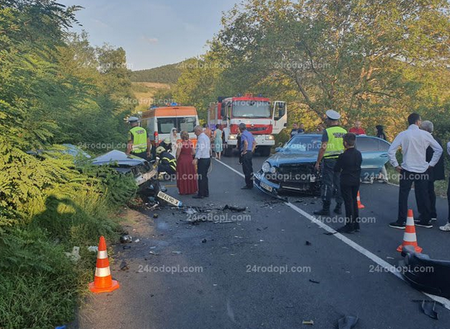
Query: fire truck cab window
point(251, 109)
point(280, 110)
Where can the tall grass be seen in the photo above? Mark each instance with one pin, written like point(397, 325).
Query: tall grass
point(39, 284)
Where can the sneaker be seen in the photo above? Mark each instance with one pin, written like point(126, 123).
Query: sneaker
point(397, 225)
point(434, 218)
point(322, 212)
point(425, 225)
point(445, 228)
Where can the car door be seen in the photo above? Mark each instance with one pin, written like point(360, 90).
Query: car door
point(374, 155)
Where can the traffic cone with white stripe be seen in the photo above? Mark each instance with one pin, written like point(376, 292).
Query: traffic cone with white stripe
point(358, 199)
point(103, 281)
point(410, 238)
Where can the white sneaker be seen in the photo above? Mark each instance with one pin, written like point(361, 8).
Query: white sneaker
point(445, 228)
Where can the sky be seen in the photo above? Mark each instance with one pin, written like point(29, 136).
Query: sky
point(152, 32)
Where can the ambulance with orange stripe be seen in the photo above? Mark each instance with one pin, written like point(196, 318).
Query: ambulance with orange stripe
point(159, 122)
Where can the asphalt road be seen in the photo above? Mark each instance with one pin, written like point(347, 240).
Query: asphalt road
point(227, 275)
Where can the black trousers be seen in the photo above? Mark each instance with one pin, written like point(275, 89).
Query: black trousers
point(349, 194)
point(420, 181)
point(247, 168)
point(448, 199)
point(432, 197)
point(203, 166)
point(331, 183)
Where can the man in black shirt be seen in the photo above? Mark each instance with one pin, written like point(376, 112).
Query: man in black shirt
point(349, 165)
point(436, 172)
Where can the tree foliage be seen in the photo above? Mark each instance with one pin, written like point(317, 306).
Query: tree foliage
point(368, 59)
point(54, 87)
point(164, 74)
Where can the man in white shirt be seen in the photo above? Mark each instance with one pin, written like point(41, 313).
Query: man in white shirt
point(446, 227)
point(414, 169)
point(202, 161)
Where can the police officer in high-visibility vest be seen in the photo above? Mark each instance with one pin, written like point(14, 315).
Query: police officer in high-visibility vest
point(332, 146)
point(138, 140)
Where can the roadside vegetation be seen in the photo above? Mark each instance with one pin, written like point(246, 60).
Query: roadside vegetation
point(55, 88)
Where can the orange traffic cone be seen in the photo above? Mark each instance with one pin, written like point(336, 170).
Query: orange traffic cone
point(103, 281)
point(409, 238)
point(360, 205)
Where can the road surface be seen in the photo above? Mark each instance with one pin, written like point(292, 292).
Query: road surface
point(227, 275)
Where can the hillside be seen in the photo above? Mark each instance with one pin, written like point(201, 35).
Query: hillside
point(167, 74)
point(150, 93)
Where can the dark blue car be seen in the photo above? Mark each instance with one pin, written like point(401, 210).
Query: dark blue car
point(291, 168)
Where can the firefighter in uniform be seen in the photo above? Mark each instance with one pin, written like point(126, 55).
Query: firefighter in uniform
point(332, 146)
point(138, 140)
point(167, 162)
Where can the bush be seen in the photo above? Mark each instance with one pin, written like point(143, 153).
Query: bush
point(38, 284)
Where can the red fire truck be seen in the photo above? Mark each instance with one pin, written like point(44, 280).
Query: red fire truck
point(263, 119)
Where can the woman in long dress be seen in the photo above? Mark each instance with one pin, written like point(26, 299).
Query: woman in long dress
point(173, 140)
point(186, 173)
point(218, 147)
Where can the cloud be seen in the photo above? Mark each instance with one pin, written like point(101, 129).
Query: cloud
point(99, 23)
point(150, 40)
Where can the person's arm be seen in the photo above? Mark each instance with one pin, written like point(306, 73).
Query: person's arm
point(321, 154)
point(437, 151)
point(199, 149)
point(149, 147)
point(179, 145)
point(322, 149)
point(393, 150)
point(254, 146)
point(448, 148)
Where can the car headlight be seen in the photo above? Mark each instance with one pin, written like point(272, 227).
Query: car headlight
point(266, 167)
point(270, 137)
point(232, 137)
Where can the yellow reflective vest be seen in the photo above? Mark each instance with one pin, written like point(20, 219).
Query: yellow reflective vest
point(139, 139)
point(335, 144)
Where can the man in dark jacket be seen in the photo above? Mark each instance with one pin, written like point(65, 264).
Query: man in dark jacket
point(349, 166)
point(167, 162)
point(436, 173)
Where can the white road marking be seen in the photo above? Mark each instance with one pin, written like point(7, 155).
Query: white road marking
point(231, 168)
point(390, 268)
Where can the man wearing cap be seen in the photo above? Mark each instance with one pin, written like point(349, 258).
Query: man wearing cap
point(248, 145)
point(138, 140)
point(332, 147)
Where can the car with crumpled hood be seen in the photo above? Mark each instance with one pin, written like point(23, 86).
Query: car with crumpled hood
point(291, 168)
